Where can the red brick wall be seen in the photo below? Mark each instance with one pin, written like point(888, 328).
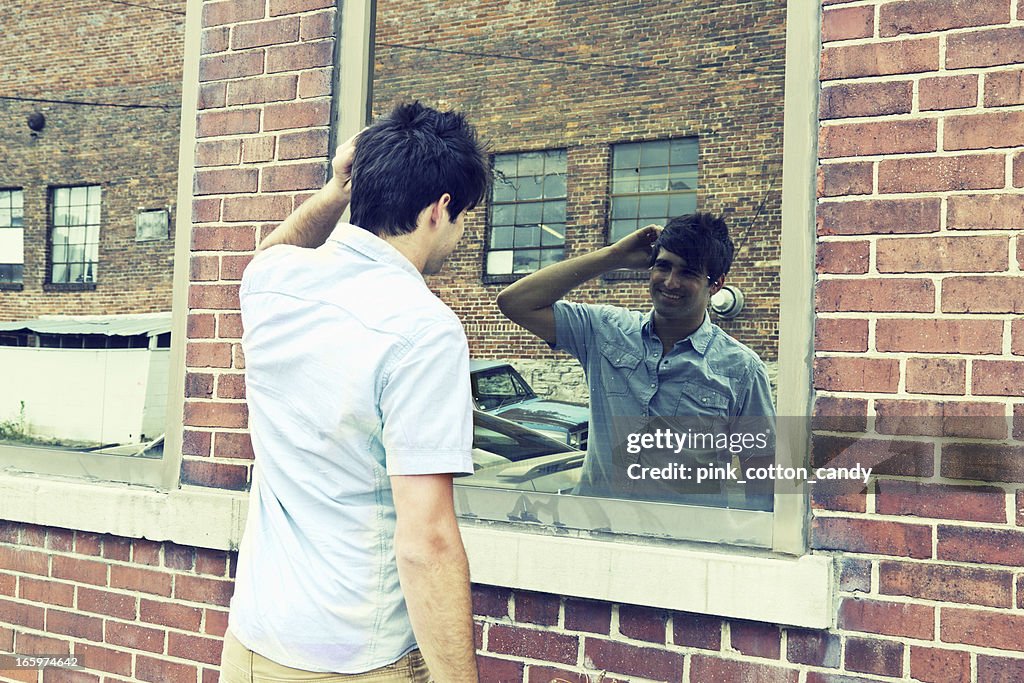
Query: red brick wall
point(93, 51)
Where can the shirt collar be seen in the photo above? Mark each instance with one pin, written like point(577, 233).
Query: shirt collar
point(700, 339)
point(372, 247)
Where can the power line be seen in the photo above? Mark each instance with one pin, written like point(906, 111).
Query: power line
point(165, 107)
point(569, 62)
point(154, 9)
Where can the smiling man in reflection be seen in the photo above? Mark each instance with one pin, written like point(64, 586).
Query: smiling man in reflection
point(670, 367)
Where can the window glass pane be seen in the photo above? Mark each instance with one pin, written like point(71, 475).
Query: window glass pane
point(60, 252)
point(94, 194)
point(60, 272)
point(92, 233)
point(501, 237)
point(684, 180)
point(554, 212)
point(503, 190)
point(79, 196)
point(92, 252)
point(625, 207)
point(529, 213)
point(61, 217)
point(76, 234)
point(653, 179)
point(531, 187)
point(499, 263)
point(503, 214)
point(75, 272)
point(654, 206)
point(531, 164)
point(526, 261)
point(61, 196)
point(683, 151)
point(654, 154)
point(76, 252)
point(627, 183)
point(505, 165)
point(5, 217)
point(76, 214)
point(527, 236)
point(17, 200)
point(552, 234)
point(625, 156)
point(554, 185)
point(93, 214)
point(621, 228)
point(682, 204)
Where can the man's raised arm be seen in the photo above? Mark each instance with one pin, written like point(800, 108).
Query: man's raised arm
point(311, 224)
point(528, 302)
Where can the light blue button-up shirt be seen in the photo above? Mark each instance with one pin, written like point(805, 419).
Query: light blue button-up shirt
point(355, 371)
point(631, 379)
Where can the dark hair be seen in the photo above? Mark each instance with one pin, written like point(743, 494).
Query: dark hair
point(700, 239)
point(407, 160)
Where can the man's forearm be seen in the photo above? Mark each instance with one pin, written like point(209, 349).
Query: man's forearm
point(546, 286)
point(311, 224)
point(435, 581)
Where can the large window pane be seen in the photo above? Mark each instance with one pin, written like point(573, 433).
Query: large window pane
point(12, 236)
point(653, 182)
point(74, 249)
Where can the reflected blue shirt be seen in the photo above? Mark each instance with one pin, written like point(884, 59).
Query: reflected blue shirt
point(631, 378)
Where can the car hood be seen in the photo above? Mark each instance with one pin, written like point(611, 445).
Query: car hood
point(546, 412)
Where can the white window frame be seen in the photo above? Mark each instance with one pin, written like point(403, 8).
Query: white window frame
point(784, 586)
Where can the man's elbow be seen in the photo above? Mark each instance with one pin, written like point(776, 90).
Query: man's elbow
point(418, 549)
point(506, 303)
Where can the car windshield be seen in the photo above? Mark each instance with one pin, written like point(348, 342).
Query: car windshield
point(510, 440)
point(499, 387)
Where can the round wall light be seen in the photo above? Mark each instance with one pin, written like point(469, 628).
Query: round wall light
point(727, 302)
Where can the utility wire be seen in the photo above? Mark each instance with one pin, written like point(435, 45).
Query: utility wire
point(154, 9)
point(165, 107)
point(569, 62)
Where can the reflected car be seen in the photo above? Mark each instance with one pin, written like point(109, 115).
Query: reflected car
point(498, 388)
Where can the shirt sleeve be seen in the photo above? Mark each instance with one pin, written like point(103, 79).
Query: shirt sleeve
point(427, 406)
point(756, 398)
point(574, 328)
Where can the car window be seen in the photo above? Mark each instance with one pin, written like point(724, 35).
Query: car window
point(510, 440)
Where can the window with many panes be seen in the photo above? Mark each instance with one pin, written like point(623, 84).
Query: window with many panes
point(527, 212)
point(12, 236)
point(75, 236)
point(652, 182)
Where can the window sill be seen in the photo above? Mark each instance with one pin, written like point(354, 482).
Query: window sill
point(627, 275)
point(11, 287)
point(69, 286)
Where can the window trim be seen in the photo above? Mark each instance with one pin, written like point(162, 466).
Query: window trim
point(19, 285)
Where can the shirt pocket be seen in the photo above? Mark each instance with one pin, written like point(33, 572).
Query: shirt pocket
point(696, 399)
point(618, 368)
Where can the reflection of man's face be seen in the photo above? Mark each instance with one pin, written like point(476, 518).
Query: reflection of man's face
point(678, 291)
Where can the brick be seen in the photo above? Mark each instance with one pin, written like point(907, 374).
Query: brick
point(536, 608)
point(989, 546)
point(983, 294)
point(178, 556)
point(936, 174)
point(212, 95)
point(1020, 511)
point(880, 59)
point(88, 543)
point(235, 445)
point(839, 495)
point(998, 378)
point(901, 619)
point(204, 269)
point(279, 7)
point(8, 586)
point(946, 583)
point(845, 179)
point(523, 642)
point(201, 326)
point(264, 208)
point(74, 625)
point(940, 418)
point(872, 656)
point(104, 659)
point(257, 150)
point(840, 334)
point(81, 571)
point(887, 295)
point(587, 615)
point(214, 40)
point(854, 576)
point(145, 552)
point(491, 601)
point(999, 669)
point(839, 414)
point(223, 66)
point(935, 665)
point(1018, 178)
point(232, 266)
point(947, 92)
point(705, 668)
point(142, 580)
point(871, 537)
point(231, 11)
point(216, 623)
point(306, 114)
point(983, 462)
point(814, 648)
point(226, 181)
point(210, 561)
point(46, 591)
point(936, 376)
point(229, 326)
point(879, 217)
point(993, 47)
point(24, 561)
point(1004, 88)
point(216, 123)
point(262, 90)
point(292, 177)
point(631, 660)
point(263, 33)
point(120, 605)
point(170, 614)
point(208, 355)
point(942, 255)
point(117, 548)
point(877, 137)
point(850, 100)
point(843, 258)
point(22, 614)
point(493, 669)
point(856, 374)
point(34, 535)
point(939, 336)
point(194, 648)
point(986, 212)
point(218, 152)
point(238, 361)
point(300, 56)
point(643, 623)
point(203, 590)
point(306, 144)
point(163, 671)
point(925, 16)
point(997, 630)
point(134, 637)
point(985, 131)
point(316, 83)
point(847, 23)
point(195, 443)
point(216, 475)
point(224, 297)
point(1017, 337)
point(319, 25)
point(756, 639)
point(206, 210)
point(229, 415)
point(547, 674)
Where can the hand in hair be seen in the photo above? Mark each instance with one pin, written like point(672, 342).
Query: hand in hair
point(634, 250)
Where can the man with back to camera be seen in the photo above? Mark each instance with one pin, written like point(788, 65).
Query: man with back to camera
point(670, 362)
point(360, 412)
